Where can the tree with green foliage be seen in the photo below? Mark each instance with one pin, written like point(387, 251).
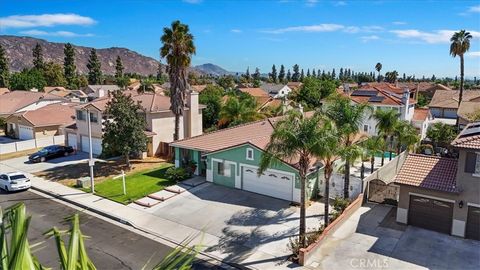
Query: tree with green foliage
point(273, 74)
point(406, 136)
point(37, 56)
point(4, 70)
point(94, 68)
point(69, 68)
point(289, 76)
point(422, 100)
point(441, 133)
point(159, 72)
point(247, 75)
point(386, 121)
point(302, 76)
point(256, 75)
point(226, 82)
point(296, 73)
point(460, 44)
point(313, 91)
point(281, 74)
point(118, 67)
point(334, 76)
point(348, 119)
point(373, 146)
point(53, 74)
point(391, 76)
point(378, 68)
point(122, 82)
point(28, 79)
point(238, 110)
point(125, 127)
point(178, 48)
point(211, 97)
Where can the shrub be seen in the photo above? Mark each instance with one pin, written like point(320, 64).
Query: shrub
point(176, 174)
point(425, 149)
point(339, 204)
point(311, 237)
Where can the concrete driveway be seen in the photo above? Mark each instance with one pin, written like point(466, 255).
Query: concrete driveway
point(249, 228)
point(371, 239)
point(22, 163)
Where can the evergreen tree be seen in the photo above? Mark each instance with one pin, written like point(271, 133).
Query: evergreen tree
point(302, 76)
point(341, 75)
point(159, 72)
point(434, 78)
point(247, 74)
point(281, 74)
point(118, 67)
point(273, 75)
point(314, 74)
point(289, 76)
point(296, 73)
point(308, 73)
point(333, 75)
point(94, 68)
point(53, 74)
point(69, 68)
point(404, 77)
point(4, 72)
point(256, 75)
point(37, 57)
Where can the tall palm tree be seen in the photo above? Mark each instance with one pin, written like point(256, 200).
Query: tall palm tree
point(295, 137)
point(238, 111)
point(178, 49)
point(378, 67)
point(386, 120)
point(348, 119)
point(459, 46)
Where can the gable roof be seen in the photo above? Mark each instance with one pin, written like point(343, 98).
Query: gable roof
point(469, 137)
point(420, 114)
point(61, 114)
point(150, 102)
point(430, 172)
point(16, 100)
point(95, 87)
point(467, 108)
point(272, 87)
point(386, 98)
point(449, 98)
point(254, 91)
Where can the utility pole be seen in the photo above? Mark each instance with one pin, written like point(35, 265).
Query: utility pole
point(91, 162)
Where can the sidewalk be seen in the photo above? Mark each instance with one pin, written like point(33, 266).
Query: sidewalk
point(149, 223)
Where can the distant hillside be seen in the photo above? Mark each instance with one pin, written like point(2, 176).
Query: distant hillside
point(212, 69)
point(19, 52)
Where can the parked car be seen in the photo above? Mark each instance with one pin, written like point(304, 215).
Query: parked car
point(50, 152)
point(14, 181)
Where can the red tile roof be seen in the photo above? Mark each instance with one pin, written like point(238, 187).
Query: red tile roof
point(256, 92)
point(430, 172)
point(420, 114)
point(469, 137)
point(62, 114)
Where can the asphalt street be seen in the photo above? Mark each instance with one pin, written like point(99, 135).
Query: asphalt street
point(109, 246)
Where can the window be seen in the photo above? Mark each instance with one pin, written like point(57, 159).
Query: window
point(477, 164)
point(81, 115)
point(365, 128)
point(472, 163)
point(93, 117)
point(220, 169)
point(249, 154)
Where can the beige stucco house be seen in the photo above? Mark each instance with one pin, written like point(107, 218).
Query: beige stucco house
point(443, 194)
point(159, 118)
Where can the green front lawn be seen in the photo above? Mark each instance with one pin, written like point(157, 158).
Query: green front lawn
point(138, 185)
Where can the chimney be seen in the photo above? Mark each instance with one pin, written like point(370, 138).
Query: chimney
point(101, 92)
point(406, 103)
point(193, 119)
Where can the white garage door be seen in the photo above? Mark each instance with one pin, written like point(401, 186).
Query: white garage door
point(25, 133)
point(72, 140)
point(96, 145)
point(269, 183)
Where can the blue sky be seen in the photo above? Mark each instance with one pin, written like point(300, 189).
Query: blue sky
point(407, 36)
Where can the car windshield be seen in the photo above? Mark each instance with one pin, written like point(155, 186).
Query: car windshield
point(18, 176)
point(44, 150)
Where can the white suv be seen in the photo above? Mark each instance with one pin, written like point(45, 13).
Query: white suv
point(14, 181)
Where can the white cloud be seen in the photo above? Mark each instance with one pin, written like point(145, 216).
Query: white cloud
point(473, 54)
point(439, 36)
point(311, 3)
point(399, 23)
point(369, 38)
point(365, 29)
point(474, 9)
point(24, 21)
point(325, 27)
point(236, 31)
point(339, 3)
point(35, 32)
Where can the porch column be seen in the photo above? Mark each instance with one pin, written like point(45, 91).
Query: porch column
point(177, 157)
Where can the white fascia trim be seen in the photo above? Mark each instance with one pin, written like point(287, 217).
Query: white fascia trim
point(473, 204)
point(431, 197)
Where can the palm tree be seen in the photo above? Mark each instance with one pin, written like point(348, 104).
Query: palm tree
point(406, 136)
point(391, 77)
point(378, 67)
point(459, 46)
point(295, 137)
point(178, 49)
point(347, 118)
point(373, 146)
point(386, 120)
point(146, 85)
point(238, 111)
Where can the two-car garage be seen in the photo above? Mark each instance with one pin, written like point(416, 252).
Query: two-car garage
point(431, 214)
point(270, 183)
point(96, 145)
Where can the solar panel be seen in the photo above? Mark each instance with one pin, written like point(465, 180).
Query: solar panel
point(376, 99)
point(470, 131)
point(365, 93)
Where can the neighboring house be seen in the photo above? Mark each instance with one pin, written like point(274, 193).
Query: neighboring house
point(444, 104)
point(276, 90)
point(199, 88)
point(427, 89)
point(393, 88)
point(380, 99)
point(421, 120)
point(4, 90)
point(77, 96)
point(48, 89)
point(466, 111)
point(443, 194)
point(231, 157)
point(46, 121)
point(258, 93)
point(19, 101)
point(294, 85)
point(99, 90)
point(159, 118)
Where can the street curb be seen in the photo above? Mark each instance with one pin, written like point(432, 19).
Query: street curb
point(126, 222)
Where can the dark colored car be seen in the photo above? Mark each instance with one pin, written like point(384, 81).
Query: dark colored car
point(50, 152)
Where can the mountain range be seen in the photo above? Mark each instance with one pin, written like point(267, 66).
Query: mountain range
point(19, 52)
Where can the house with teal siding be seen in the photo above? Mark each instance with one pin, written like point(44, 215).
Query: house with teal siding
point(231, 157)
